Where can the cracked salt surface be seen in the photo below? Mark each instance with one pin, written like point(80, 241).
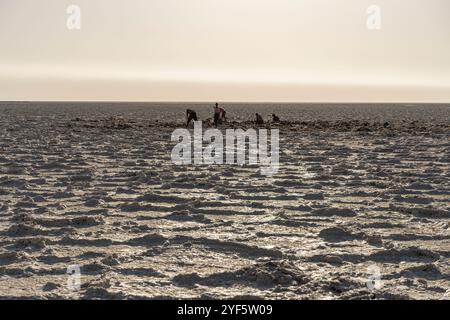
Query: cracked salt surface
point(93, 185)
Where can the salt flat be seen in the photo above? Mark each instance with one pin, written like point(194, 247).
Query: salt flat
point(360, 189)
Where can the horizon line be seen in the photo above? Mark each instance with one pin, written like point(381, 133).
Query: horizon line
point(218, 101)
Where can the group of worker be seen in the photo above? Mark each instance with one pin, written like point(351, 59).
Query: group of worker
point(220, 115)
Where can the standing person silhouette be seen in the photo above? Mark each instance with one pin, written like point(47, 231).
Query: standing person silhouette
point(216, 114)
point(259, 119)
point(219, 115)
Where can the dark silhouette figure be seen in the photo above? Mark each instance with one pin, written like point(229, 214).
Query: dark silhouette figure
point(275, 118)
point(190, 115)
point(219, 115)
point(259, 119)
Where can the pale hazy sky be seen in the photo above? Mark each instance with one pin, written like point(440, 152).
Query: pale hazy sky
point(225, 50)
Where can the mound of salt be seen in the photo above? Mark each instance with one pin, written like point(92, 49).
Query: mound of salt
point(21, 229)
point(429, 212)
point(12, 257)
point(272, 273)
point(420, 186)
point(149, 240)
point(94, 202)
point(50, 286)
point(406, 254)
point(329, 212)
point(63, 194)
point(428, 270)
point(313, 196)
point(374, 240)
point(131, 207)
point(15, 170)
point(337, 234)
point(32, 243)
point(87, 221)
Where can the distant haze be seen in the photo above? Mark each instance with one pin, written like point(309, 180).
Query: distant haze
point(225, 50)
